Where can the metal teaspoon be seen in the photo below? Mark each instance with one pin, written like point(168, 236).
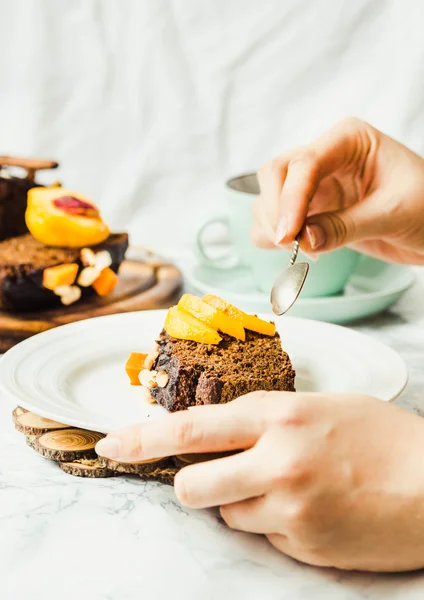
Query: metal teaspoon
point(289, 283)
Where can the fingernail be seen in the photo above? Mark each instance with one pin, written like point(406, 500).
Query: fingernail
point(316, 236)
point(108, 447)
point(281, 231)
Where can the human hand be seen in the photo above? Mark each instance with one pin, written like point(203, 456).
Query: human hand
point(353, 186)
point(330, 480)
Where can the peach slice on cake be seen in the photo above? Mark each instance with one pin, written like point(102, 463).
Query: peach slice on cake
point(63, 218)
point(183, 326)
point(251, 322)
point(216, 318)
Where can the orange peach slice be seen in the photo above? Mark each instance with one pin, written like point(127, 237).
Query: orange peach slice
point(251, 322)
point(65, 274)
point(59, 217)
point(225, 307)
point(254, 323)
point(183, 326)
point(212, 316)
point(134, 366)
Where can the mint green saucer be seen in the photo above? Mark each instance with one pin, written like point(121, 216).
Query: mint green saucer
point(373, 287)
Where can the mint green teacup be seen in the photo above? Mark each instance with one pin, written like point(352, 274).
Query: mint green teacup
point(327, 276)
point(238, 219)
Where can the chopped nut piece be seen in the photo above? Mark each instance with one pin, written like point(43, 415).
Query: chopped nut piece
point(102, 260)
point(73, 294)
point(68, 293)
point(150, 361)
point(155, 348)
point(162, 379)
point(61, 290)
point(147, 396)
point(88, 258)
point(88, 276)
point(148, 378)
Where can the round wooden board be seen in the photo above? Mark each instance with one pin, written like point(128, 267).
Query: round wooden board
point(66, 445)
point(137, 468)
point(74, 451)
point(143, 285)
point(31, 424)
point(86, 468)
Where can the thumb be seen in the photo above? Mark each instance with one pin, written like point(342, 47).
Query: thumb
point(331, 230)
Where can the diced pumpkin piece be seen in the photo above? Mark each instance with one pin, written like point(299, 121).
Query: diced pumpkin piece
point(134, 365)
point(212, 316)
point(251, 322)
point(105, 282)
point(65, 274)
point(183, 326)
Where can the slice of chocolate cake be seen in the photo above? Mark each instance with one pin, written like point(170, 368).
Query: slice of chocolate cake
point(211, 374)
point(23, 261)
point(210, 352)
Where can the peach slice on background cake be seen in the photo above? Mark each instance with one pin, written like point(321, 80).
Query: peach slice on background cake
point(229, 324)
point(63, 218)
point(182, 325)
point(251, 322)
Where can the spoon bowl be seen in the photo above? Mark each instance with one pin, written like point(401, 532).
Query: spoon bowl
point(287, 287)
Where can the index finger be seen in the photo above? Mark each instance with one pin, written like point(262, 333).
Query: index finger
point(211, 428)
point(301, 171)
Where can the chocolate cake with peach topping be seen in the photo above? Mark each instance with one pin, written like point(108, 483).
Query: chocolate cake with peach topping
point(210, 352)
point(68, 254)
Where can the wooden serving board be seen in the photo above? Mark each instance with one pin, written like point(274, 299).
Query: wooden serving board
point(74, 451)
point(144, 284)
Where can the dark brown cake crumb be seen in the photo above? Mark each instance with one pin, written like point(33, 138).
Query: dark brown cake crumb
point(207, 374)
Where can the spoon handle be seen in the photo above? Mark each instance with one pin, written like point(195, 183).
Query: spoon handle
point(295, 251)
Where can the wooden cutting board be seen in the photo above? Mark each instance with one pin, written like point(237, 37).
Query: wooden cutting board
point(144, 284)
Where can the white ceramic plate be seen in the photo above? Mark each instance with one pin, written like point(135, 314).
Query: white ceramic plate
point(373, 287)
point(75, 373)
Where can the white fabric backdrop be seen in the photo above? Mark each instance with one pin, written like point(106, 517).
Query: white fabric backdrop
point(149, 105)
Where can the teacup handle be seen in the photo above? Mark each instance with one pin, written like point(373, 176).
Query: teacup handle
point(226, 261)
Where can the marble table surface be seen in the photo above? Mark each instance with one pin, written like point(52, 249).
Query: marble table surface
point(122, 539)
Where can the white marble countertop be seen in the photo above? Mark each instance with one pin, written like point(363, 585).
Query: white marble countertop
point(122, 539)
